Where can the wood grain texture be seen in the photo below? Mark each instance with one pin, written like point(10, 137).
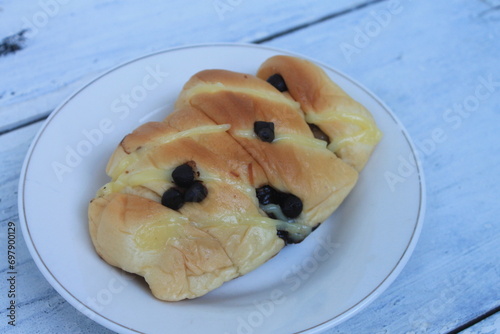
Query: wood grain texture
point(68, 43)
point(426, 64)
point(40, 309)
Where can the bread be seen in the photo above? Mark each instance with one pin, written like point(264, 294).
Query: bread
point(230, 177)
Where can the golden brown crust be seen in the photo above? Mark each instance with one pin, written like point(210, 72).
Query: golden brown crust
point(323, 101)
point(191, 251)
point(118, 221)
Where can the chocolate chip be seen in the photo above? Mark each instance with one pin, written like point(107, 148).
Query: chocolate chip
point(283, 235)
point(278, 82)
point(173, 198)
point(291, 206)
point(264, 130)
point(266, 195)
point(318, 133)
point(184, 175)
point(196, 193)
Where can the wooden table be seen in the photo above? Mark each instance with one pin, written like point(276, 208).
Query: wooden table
point(436, 64)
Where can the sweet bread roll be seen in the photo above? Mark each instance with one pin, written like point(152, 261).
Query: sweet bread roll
point(228, 179)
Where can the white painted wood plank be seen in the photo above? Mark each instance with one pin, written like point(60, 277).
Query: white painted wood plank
point(490, 325)
point(427, 63)
point(71, 42)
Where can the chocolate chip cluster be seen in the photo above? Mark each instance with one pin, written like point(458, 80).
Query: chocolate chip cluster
point(291, 206)
point(187, 188)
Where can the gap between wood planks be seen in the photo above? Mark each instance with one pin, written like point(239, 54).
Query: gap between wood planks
point(321, 19)
point(258, 41)
point(476, 320)
point(28, 122)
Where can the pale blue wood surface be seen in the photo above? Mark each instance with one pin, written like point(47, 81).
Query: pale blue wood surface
point(80, 39)
point(431, 56)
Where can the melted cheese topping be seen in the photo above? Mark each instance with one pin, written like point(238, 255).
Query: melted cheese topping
point(368, 133)
point(137, 155)
point(275, 210)
point(237, 220)
point(271, 95)
point(155, 236)
point(134, 179)
point(291, 226)
point(240, 185)
point(293, 138)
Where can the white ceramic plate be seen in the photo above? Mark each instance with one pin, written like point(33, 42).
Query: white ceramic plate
point(339, 269)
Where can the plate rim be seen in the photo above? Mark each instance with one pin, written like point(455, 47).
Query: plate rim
point(330, 323)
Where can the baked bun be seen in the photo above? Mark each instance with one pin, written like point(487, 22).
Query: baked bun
point(230, 177)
